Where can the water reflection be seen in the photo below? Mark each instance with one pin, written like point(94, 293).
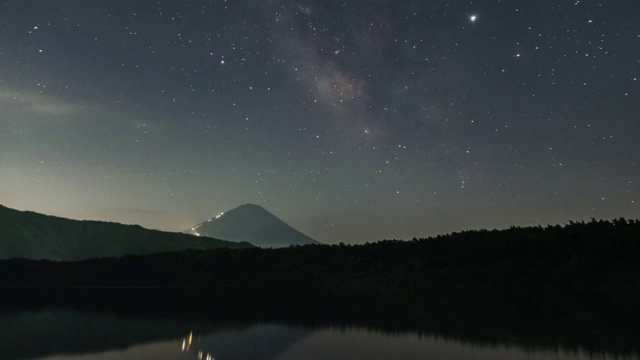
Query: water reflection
point(186, 348)
point(75, 335)
point(259, 341)
point(361, 343)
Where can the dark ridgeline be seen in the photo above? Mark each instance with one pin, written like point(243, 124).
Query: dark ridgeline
point(29, 235)
point(253, 224)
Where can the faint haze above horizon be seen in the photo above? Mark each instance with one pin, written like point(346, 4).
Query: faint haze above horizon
point(352, 121)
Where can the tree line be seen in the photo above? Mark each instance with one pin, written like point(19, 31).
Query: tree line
point(578, 255)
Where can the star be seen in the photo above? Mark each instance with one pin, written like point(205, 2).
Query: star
point(321, 85)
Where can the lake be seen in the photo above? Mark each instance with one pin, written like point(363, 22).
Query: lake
point(73, 334)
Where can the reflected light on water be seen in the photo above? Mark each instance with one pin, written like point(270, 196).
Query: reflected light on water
point(187, 342)
point(115, 338)
point(332, 343)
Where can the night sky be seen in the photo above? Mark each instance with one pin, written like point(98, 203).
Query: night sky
point(352, 121)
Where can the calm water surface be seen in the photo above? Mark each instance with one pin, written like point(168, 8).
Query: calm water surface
point(74, 335)
point(330, 343)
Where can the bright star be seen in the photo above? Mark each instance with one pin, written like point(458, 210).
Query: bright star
point(473, 18)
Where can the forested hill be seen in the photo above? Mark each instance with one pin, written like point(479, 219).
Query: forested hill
point(592, 255)
point(29, 235)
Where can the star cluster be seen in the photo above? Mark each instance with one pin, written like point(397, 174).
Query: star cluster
point(352, 120)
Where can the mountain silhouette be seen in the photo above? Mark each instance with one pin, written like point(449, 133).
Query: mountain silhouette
point(29, 235)
point(253, 224)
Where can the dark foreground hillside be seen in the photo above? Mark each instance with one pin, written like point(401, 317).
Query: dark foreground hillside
point(30, 235)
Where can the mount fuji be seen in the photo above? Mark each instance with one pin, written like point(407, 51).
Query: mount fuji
point(253, 224)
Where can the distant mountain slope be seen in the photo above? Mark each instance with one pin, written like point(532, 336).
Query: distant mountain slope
point(254, 224)
point(25, 234)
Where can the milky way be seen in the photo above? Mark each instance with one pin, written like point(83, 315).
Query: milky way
point(353, 121)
